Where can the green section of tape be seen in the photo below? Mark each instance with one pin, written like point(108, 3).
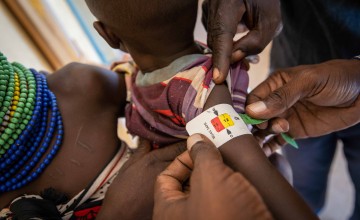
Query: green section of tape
point(290, 140)
point(252, 121)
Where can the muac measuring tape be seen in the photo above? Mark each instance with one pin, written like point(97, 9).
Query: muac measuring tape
point(221, 123)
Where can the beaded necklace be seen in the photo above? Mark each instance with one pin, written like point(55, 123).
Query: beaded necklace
point(29, 121)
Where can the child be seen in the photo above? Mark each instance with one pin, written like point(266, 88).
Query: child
point(174, 85)
point(174, 81)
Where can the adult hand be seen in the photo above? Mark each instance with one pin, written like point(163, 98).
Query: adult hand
point(221, 19)
point(131, 195)
point(312, 100)
point(216, 191)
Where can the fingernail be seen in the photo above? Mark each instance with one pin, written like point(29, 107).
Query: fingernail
point(216, 73)
point(237, 56)
point(267, 151)
point(257, 107)
point(193, 139)
point(277, 128)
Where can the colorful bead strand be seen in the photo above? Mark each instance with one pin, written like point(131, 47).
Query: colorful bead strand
point(18, 149)
point(19, 118)
point(6, 89)
point(30, 120)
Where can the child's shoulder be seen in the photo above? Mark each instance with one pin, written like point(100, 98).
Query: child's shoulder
point(75, 75)
point(85, 80)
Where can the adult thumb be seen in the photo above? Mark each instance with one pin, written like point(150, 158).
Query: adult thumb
point(202, 149)
point(223, 18)
point(222, 46)
point(276, 102)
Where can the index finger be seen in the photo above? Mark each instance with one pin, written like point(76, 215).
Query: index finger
point(265, 88)
point(223, 18)
point(168, 185)
point(263, 19)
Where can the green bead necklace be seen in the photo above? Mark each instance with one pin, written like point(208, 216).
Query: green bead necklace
point(16, 106)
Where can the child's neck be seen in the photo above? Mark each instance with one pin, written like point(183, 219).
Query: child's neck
point(148, 63)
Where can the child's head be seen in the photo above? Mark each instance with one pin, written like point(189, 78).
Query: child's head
point(146, 28)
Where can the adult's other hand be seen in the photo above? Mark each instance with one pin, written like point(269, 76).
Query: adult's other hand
point(131, 195)
point(216, 191)
point(221, 20)
point(311, 100)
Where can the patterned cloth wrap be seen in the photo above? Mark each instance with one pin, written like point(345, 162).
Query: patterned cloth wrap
point(159, 110)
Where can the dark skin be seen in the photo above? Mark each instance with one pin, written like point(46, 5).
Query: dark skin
point(307, 101)
point(133, 188)
point(223, 19)
point(239, 153)
point(244, 155)
point(90, 110)
point(89, 129)
point(212, 184)
point(152, 47)
point(261, 17)
point(147, 62)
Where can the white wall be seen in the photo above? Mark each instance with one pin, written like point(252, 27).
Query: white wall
point(16, 45)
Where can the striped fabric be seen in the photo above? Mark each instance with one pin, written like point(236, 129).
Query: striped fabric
point(160, 111)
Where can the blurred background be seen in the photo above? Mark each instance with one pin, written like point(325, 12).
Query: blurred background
point(47, 34)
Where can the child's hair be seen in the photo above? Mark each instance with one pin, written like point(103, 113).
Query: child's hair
point(147, 20)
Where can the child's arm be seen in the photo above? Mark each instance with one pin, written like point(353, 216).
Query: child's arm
point(244, 155)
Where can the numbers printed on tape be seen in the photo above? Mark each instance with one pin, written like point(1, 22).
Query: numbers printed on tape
point(220, 124)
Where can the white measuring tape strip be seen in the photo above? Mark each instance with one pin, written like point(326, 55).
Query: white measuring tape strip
point(220, 124)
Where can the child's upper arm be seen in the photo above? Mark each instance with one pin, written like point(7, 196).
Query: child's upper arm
point(243, 154)
point(219, 95)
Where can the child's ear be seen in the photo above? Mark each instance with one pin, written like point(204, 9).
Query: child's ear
point(107, 34)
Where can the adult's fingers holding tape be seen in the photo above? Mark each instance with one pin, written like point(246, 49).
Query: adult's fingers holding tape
point(271, 127)
point(273, 144)
point(274, 126)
